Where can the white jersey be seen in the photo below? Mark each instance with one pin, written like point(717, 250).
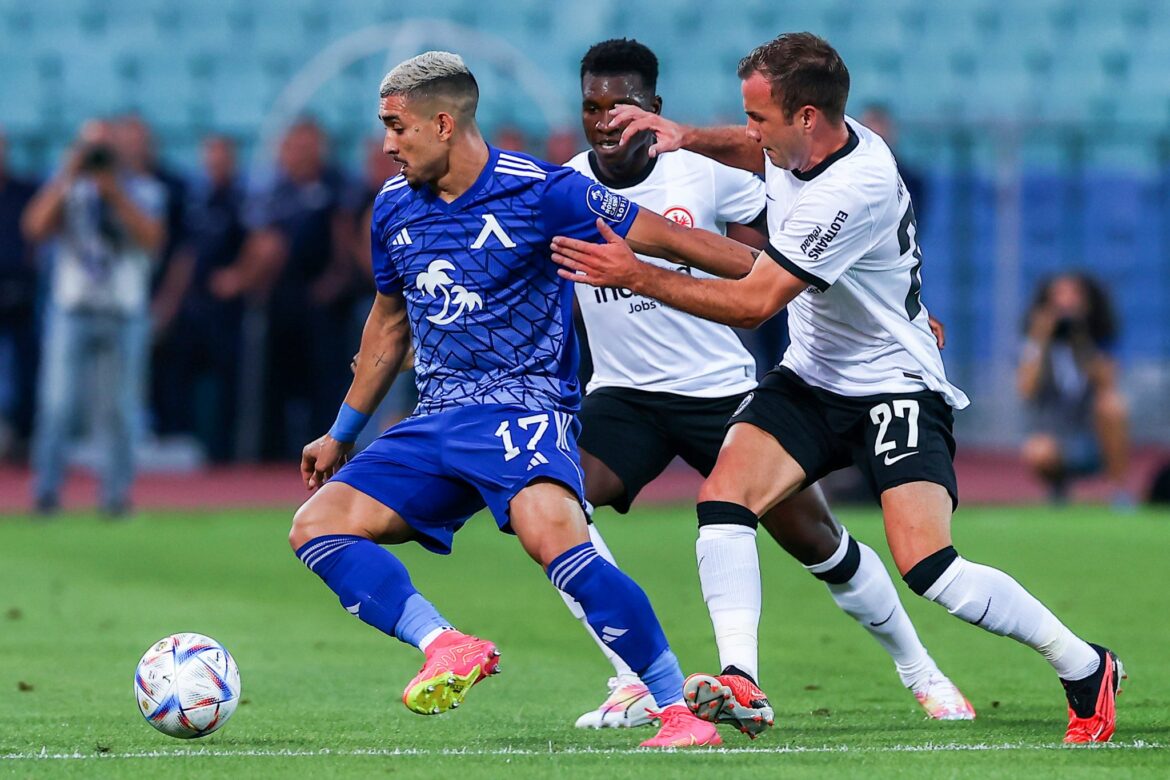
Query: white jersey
point(847, 228)
point(641, 343)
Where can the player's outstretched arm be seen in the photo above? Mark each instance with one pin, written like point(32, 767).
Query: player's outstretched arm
point(653, 234)
point(385, 343)
point(729, 145)
point(743, 303)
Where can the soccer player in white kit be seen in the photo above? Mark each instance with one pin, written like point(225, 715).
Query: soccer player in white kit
point(863, 381)
point(664, 385)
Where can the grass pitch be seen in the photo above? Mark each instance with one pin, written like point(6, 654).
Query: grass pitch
point(81, 599)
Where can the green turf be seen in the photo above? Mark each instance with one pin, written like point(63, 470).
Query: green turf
point(81, 599)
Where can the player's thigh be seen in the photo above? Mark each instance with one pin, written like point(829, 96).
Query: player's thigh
point(403, 470)
point(622, 440)
point(752, 470)
point(777, 442)
point(699, 426)
point(905, 438)
point(338, 508)
point(603, 487)
point(548, 520)
point(917, 518)
point(524, 465)
point(804, 526)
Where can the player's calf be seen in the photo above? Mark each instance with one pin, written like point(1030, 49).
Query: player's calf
point(618, 610)
point(988, 598)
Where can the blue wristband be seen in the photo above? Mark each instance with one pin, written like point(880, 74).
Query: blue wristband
point(348, 425)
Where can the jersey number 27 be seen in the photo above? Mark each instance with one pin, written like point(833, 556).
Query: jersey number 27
point(908, 241)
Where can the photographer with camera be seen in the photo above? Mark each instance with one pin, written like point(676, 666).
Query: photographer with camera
point(107, 224)
point(1078, 421)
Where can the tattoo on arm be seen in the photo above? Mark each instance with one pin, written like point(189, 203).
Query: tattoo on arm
point(381, 359)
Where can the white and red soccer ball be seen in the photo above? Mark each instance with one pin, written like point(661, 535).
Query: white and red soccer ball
point(187, 685)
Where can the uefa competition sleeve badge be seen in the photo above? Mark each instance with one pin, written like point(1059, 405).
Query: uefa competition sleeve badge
point(606, 204)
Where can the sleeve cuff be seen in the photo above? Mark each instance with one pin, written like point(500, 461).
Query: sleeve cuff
point(795, 269)
point(623, 228)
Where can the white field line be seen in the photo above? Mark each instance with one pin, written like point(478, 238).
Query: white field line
point(929, 747)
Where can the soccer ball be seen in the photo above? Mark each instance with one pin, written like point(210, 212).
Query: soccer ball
point(187, 685)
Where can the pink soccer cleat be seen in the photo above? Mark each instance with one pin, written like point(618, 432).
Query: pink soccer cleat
point(455, 662)
point(680, 728)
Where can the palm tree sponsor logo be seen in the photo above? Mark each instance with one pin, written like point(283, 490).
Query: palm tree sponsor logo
point(435, 281)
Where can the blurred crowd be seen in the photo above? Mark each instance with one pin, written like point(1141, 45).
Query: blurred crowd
point(140, 304)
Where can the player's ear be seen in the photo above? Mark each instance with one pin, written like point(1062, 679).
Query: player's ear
point(444, 125)
point(656, 104)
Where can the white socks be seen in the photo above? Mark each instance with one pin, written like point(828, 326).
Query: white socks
point(620, 667)
point(992, 600)
point(869, 597)
point(729, 573)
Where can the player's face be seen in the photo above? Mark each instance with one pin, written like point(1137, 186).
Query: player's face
point(412, 140)
point(785, 142)
point(599, 96)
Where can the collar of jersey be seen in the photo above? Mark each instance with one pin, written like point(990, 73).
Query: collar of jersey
point(824, 164)
point(620, 184)
point(480, 181)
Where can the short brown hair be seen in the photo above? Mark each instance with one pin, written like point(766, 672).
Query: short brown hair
point(804, 70)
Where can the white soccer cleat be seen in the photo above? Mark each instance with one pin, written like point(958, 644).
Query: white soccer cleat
point(942, 699)
point(628, 705)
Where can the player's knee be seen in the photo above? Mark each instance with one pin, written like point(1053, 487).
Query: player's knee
point(925, 575)
point(309, 522)
point(717, 487)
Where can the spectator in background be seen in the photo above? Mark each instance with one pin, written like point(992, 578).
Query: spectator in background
point(18, 288)
point(198, 333)
point(561, 146)
point(108, 220)
point(295, 262)
point(1068, 379)
point(136, 149)
point(878, 118)
point(511, 139)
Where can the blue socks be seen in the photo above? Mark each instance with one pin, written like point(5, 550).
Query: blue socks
point(372, 585)
point(618, 610)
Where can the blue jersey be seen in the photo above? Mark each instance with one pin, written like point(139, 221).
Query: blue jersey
point(491, 321)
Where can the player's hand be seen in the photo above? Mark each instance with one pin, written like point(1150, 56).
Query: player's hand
point(612, 264)
point(939, 331)
point(668, 135)
point(321, 459)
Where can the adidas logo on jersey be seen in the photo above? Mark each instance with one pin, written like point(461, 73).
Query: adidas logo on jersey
point(538, 459)
point(610, 635)
point(402, 239)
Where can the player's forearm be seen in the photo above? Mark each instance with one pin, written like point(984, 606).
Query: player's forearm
point(726, 301)
point(729, 145)
point(702, 249)
point(384, 346)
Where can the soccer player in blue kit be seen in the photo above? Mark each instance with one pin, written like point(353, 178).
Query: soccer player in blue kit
point(462, 263)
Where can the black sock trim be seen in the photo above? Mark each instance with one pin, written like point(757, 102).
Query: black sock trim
point(740, 672)
point(843, 571)
point(725, 513)
point(927, 571)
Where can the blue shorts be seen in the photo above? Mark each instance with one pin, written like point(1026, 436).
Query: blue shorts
point(437, 470)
